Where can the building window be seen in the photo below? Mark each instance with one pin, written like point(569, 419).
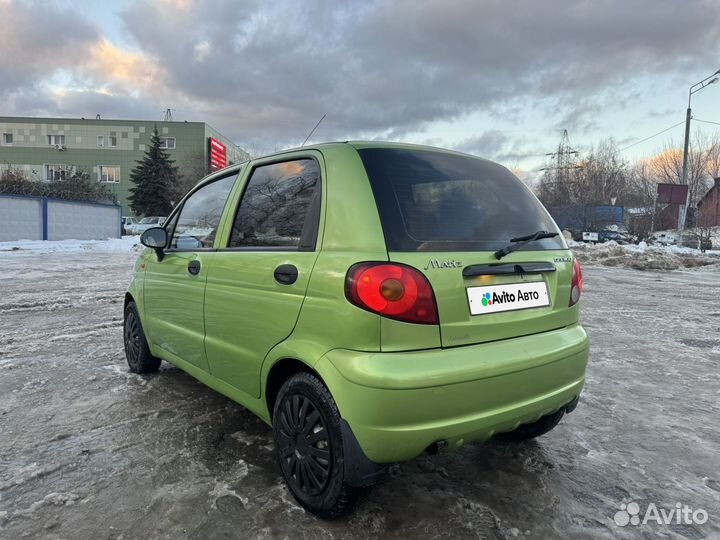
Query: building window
point(167, 142)
point(55, 172)
point(101, 140)
point(109, 175)
point(112, 141)
point(7, 138)
point(54, 140)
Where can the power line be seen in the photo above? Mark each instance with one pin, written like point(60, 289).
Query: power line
point(635, 143)
point(707, 121)
point(651, 136)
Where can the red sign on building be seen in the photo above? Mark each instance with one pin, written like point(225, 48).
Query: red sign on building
point(217, 153)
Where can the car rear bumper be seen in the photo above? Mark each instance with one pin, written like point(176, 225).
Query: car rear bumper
point(400, 403)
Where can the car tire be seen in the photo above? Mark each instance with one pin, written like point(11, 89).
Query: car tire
point(309, 444)
point(540, 427)
point(137, 350)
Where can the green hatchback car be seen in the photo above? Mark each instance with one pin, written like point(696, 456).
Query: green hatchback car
point(370, 302)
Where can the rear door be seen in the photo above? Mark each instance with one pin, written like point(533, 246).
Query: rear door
point(258, 279)
point(446, 214)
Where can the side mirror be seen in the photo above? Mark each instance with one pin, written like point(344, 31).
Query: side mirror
point(155, 238)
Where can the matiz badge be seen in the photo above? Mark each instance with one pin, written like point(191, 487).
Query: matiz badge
point(435, 264)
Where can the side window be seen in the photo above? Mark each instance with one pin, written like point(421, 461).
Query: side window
point(199, 217)
point(280, 206)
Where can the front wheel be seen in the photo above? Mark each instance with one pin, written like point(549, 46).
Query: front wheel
point(308, 439)
point(137, 350)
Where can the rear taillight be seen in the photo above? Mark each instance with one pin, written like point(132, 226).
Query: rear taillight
point(576, 286)
point(392, 290)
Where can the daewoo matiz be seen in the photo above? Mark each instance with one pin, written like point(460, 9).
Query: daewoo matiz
point(368, 301)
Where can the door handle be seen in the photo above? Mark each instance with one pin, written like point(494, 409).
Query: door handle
point(286, 274)
point(194, 267)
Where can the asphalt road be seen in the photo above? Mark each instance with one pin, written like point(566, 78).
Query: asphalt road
point(89, 451)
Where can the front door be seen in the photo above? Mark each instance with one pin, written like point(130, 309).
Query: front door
point(175, 283)
point(257, 282)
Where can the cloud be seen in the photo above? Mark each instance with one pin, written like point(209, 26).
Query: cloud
point(499, 146)
point(36, 40)
point(396, 67)
point(265, 72)
point(109, 63)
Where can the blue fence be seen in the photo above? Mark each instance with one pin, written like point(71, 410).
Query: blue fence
point(587, 218)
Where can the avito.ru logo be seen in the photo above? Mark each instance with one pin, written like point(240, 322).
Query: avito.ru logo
point(682, 514)
point(506, 297)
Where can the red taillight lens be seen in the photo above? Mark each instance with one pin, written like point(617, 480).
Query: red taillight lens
point(395, 291)
point(576, 286)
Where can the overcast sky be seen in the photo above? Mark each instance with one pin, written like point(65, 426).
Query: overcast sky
point(496, 78)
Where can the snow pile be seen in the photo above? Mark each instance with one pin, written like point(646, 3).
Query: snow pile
point(111, 245)
point(644, 257)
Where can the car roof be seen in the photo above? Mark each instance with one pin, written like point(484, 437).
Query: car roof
point(358, 145)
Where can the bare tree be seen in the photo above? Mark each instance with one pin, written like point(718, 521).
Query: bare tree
point(641, 198)
point(77, 185)
point(191, 170)
point(602, 177)
point(713, 157)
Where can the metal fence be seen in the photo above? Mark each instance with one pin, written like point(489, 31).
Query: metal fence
point(41, 218)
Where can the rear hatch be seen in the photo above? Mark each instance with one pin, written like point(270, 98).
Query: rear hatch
point(446, 214)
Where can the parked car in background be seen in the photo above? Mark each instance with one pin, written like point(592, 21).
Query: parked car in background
point(692, 238)
point(369, 301)
point(621, 237)
point(144, 224)
point(126, 222)
point(663, 238)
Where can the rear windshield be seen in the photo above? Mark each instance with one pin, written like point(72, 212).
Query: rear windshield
point(434, 201)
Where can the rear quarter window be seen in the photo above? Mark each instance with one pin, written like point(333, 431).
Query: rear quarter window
point(436, 201)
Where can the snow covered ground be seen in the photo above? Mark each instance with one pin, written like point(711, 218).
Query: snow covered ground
point(89, 451)
point(644, 257)
point(111, 245)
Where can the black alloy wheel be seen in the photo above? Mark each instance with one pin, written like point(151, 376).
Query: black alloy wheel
point(137, 350)
point(304, 445)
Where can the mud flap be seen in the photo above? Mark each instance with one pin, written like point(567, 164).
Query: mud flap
point(570, 407)
point(359, 470)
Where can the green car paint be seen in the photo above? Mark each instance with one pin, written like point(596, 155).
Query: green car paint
point(400, 386)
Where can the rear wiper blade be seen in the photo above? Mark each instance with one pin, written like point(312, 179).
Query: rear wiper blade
point(520, 241)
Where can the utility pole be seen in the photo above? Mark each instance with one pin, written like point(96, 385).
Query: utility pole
point(682, 210)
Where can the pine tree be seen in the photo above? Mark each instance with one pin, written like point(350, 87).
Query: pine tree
point(155, 178)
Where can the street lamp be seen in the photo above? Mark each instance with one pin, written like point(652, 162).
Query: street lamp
point(682, 212)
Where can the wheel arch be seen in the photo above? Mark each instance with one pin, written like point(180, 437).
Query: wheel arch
point(279, 373)
point(358, 469)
